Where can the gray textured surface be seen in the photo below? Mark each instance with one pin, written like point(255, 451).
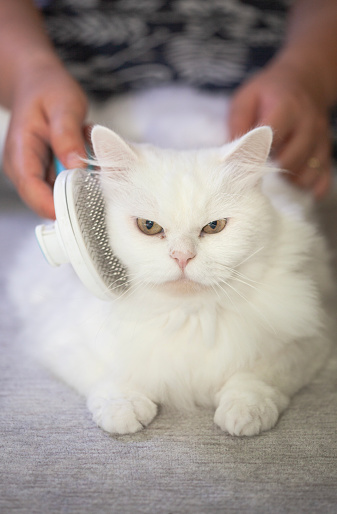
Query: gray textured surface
point(53, 459)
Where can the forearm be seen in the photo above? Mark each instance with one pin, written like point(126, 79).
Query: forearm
point(311, 47)
point(23, 44)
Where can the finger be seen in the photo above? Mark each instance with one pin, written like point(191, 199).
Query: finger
point(243, 111)
point(323, 185)
point(316, 175)
point(25, 159)
point(311, 138)
point(33, 190)
point(38, 195)
point(311, 173)
point(67, 137)
point(281, 119)
point(295, 151)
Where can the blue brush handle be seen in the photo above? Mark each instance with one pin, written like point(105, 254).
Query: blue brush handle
point(58, 166)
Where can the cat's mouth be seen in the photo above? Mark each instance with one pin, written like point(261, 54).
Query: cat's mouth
point(183, 285)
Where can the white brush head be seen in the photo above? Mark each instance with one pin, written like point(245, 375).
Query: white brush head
point(79, 234)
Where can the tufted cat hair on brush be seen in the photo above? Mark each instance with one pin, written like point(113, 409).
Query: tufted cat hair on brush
point(224, 308)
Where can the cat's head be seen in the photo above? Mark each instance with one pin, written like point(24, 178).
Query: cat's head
point(190, 219)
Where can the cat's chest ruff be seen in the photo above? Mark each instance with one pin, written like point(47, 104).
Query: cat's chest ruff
point(190, 323)
point(187, 347)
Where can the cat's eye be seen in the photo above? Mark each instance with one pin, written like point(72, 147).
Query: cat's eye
point(150, 228)
point(215, 226)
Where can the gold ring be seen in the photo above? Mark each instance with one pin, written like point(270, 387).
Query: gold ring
point(314, 163)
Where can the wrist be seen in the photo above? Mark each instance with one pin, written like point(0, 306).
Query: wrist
point(23, 44)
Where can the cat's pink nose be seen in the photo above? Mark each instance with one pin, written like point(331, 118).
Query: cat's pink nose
point(182, 258)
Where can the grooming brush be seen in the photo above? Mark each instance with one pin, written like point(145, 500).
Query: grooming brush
point(79, 234)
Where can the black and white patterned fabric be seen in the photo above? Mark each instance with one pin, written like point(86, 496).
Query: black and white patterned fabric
point(112, 46)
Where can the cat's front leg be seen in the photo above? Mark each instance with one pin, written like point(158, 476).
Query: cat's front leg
point(120, 411)
point(251, 402)
point(248, 406)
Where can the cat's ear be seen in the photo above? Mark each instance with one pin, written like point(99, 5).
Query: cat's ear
point(112, 153)
point(254, 146)
point(247, 156)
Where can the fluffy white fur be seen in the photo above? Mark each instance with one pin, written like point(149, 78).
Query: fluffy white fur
point(240, 328)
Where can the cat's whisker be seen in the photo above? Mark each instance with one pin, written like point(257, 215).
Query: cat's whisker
point(247, 283)
point(130, 278)
point(244, 277)
point(136, 284)
point(129, 291)
point(235, 272)
point(262, 317)
point(216, 291)
point(234, 306)
point(133, 284)
point(223, 290)
point(251, 255)
point(141, 281)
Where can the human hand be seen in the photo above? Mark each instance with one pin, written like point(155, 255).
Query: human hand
point(279, 97)
point(48, 112)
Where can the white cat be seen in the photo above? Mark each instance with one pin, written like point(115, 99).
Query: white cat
point(224, 308)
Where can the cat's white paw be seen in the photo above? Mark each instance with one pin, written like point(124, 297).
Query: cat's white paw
point(126, 414)
point(249, 412)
